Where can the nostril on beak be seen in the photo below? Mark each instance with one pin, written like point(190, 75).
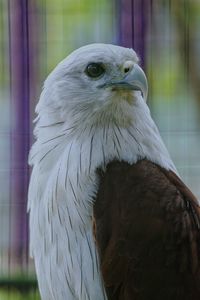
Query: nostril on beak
point(127, 66)
point(126, 70)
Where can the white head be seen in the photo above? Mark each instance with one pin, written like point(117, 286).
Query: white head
point(94, 82)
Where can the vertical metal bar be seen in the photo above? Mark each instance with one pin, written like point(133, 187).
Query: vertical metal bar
point(20, 92)
point(133, 25)
point(125, 22)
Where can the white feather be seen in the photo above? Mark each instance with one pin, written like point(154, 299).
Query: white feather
point(78, 130)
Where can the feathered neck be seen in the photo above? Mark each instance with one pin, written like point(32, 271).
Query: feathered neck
point(125, 132)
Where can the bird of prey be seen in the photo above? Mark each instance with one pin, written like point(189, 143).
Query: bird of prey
point(110, 217)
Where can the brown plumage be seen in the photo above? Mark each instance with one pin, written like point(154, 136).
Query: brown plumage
point(147, 228)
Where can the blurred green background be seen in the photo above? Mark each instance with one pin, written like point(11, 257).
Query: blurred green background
point(34, 36)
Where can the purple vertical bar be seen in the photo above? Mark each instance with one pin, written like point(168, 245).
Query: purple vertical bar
point(133, 15)
point(20, 92)
point(125, 18)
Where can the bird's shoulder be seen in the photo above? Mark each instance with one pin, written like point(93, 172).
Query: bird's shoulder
point(147, 227)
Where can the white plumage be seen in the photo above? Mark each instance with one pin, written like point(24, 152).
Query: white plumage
point(79, 128)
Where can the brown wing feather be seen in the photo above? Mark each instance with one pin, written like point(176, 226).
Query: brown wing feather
point(147, 233)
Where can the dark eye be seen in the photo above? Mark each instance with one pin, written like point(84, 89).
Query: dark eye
point(95, 70)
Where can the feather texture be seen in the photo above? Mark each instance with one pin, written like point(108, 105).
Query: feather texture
point(79, 129)
point(148, 234)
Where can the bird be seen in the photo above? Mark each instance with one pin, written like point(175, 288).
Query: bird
point(109, 215)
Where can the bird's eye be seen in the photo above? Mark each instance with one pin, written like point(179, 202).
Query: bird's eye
point(95, 70)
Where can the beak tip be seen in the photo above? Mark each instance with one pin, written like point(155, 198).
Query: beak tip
point(138, 80)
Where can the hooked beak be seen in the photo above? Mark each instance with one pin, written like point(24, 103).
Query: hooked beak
point(135, 80)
